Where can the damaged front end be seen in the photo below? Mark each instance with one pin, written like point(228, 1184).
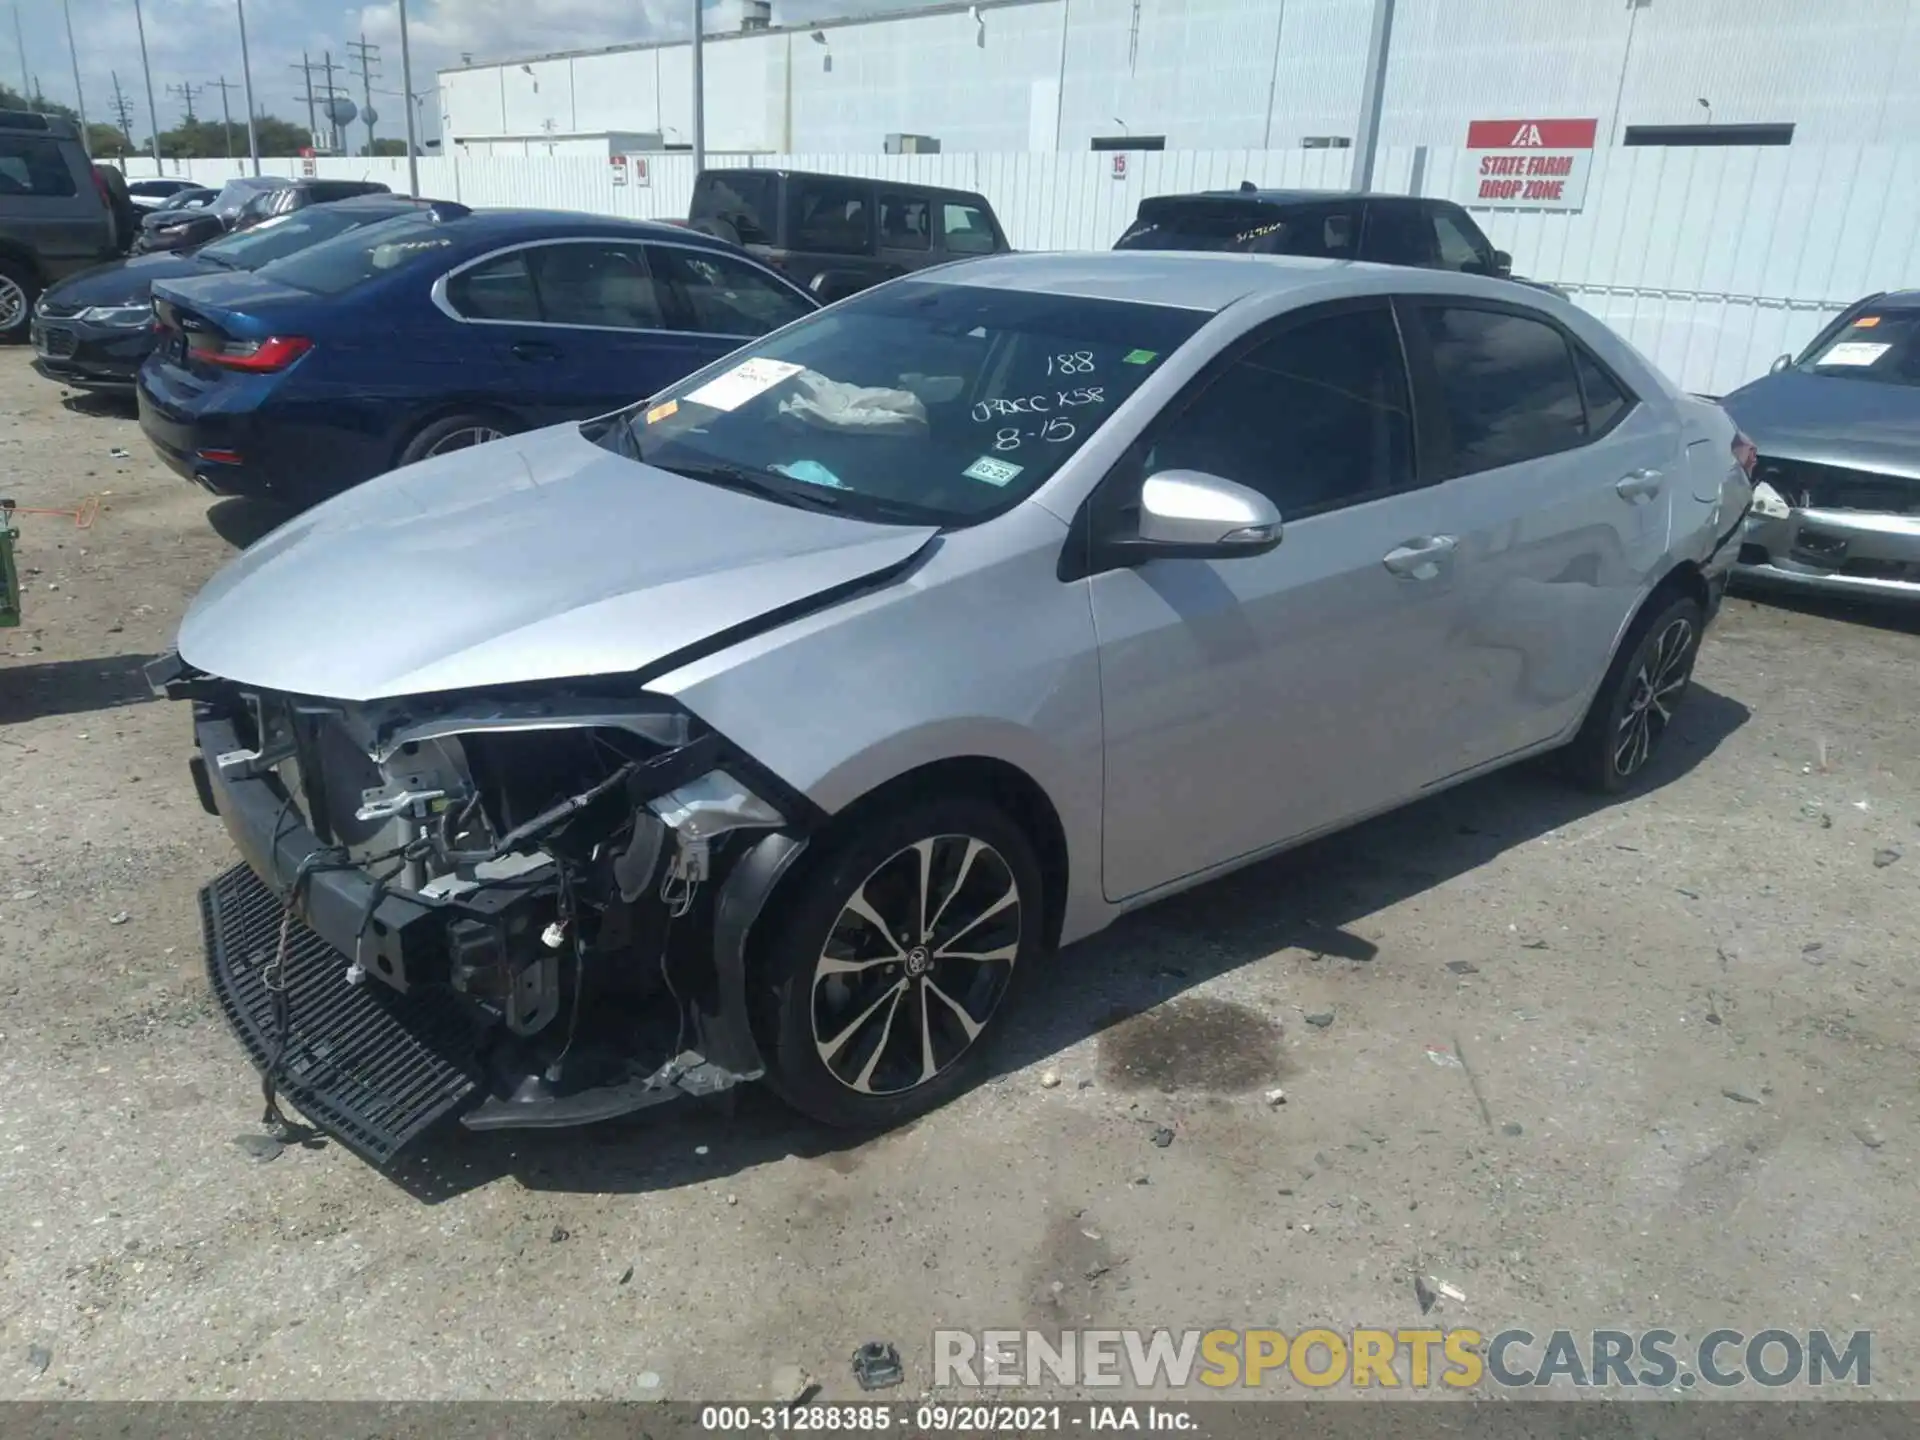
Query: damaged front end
point(526, 909)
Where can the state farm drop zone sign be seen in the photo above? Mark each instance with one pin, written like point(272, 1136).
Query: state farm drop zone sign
point(1528, 164)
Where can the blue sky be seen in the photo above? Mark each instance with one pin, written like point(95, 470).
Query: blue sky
point(196, 42)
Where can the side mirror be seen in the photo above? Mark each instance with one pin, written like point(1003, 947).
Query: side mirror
point(1781, 362)
point(1502, 265)
point(1185, 514)
point(830, 286)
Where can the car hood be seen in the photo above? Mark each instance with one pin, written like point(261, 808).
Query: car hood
point(1860, 424)
point(542, 557)
point(125, 282)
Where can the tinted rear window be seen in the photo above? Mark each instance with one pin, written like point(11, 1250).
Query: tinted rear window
point(373, 252)
point(1328, 229)
point(746, 203)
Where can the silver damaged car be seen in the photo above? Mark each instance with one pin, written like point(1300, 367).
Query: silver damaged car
point(781, 725)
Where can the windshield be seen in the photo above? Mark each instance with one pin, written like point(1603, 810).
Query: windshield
point(1879, 344)
point(921, 402)
point(371, 252)
point(282, 235)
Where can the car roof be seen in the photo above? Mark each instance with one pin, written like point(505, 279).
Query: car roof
point(504, 227)
point(1899, 299)
point(730, 170)
point(1208, 280)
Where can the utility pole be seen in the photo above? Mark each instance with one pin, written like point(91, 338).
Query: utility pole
point(1366, 144)
point(122, 110)
point(223, 85)
point(246, 76)
point(20, 41)
point(406, 84)
point(305, 67)
point(369, 57)
point(333, 126)
point(153, 114)
point(699, 95)
point(186, 90)
point(79, 100)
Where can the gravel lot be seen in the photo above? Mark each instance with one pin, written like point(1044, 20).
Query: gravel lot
point(1688, 1023)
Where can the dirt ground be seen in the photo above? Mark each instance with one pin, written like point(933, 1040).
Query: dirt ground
point(1631, 1065)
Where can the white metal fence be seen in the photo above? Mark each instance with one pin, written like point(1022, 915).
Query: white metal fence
point(1712, 261)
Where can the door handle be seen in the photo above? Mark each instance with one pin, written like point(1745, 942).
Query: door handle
point(1421, 558)
point(1639, 485)
point(534, 350)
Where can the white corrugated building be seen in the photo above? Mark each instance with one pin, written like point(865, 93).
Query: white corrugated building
point(1044, 75)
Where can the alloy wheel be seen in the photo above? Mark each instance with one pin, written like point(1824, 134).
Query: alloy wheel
point(1663, 672)
point(465, 439)
point(13, 303)
point(916, 965)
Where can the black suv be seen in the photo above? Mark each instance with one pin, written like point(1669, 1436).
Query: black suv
point(837, 234)
point(1334, 225)
point(56, 212)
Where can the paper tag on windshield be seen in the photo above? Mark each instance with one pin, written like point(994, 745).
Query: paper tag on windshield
point(740, 384)
point(993, 472)
point(1854, 352)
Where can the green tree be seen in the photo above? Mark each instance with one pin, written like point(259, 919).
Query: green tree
point(107, 143)
point(209, 139)
point(389, 147)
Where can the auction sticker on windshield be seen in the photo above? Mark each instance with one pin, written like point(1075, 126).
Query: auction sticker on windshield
point(662, 412)
point(993, 472)
point(744, 381)
point(1854, 352)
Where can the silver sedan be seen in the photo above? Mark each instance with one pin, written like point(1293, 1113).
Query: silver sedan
point(781, 724)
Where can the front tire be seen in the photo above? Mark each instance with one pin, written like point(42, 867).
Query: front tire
point(1637, 701)
point(889, 965)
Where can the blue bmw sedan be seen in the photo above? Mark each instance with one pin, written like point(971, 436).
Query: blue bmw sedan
point(425, 334)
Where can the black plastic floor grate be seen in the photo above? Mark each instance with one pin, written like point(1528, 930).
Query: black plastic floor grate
point(373, 1068)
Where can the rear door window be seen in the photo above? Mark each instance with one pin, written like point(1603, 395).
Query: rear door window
point(606, 286)
point(966, 229)
point(832, 217)
point(1507, 386)
point(722, 294)
point(33, 165)
point(745, 203)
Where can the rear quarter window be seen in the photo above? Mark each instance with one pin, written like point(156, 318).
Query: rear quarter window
point(33, 165)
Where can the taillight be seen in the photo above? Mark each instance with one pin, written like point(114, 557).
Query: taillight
point(259, 357)
point(1744, 454)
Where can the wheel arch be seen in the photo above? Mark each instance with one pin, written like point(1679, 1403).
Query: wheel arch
point(16, 254)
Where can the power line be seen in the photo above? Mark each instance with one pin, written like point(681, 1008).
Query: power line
point(186, 90)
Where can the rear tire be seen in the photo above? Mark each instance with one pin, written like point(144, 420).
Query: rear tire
point(1636, 703)
point(454, 432)
point(866, 1027)
point(18, 290)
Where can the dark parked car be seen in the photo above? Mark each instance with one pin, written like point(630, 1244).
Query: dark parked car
point(1411, 230)
point(152, 194)
point(56, 212)
point(423, 335)
point(93, 330)
point(838, 234)
point(1837, 503)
